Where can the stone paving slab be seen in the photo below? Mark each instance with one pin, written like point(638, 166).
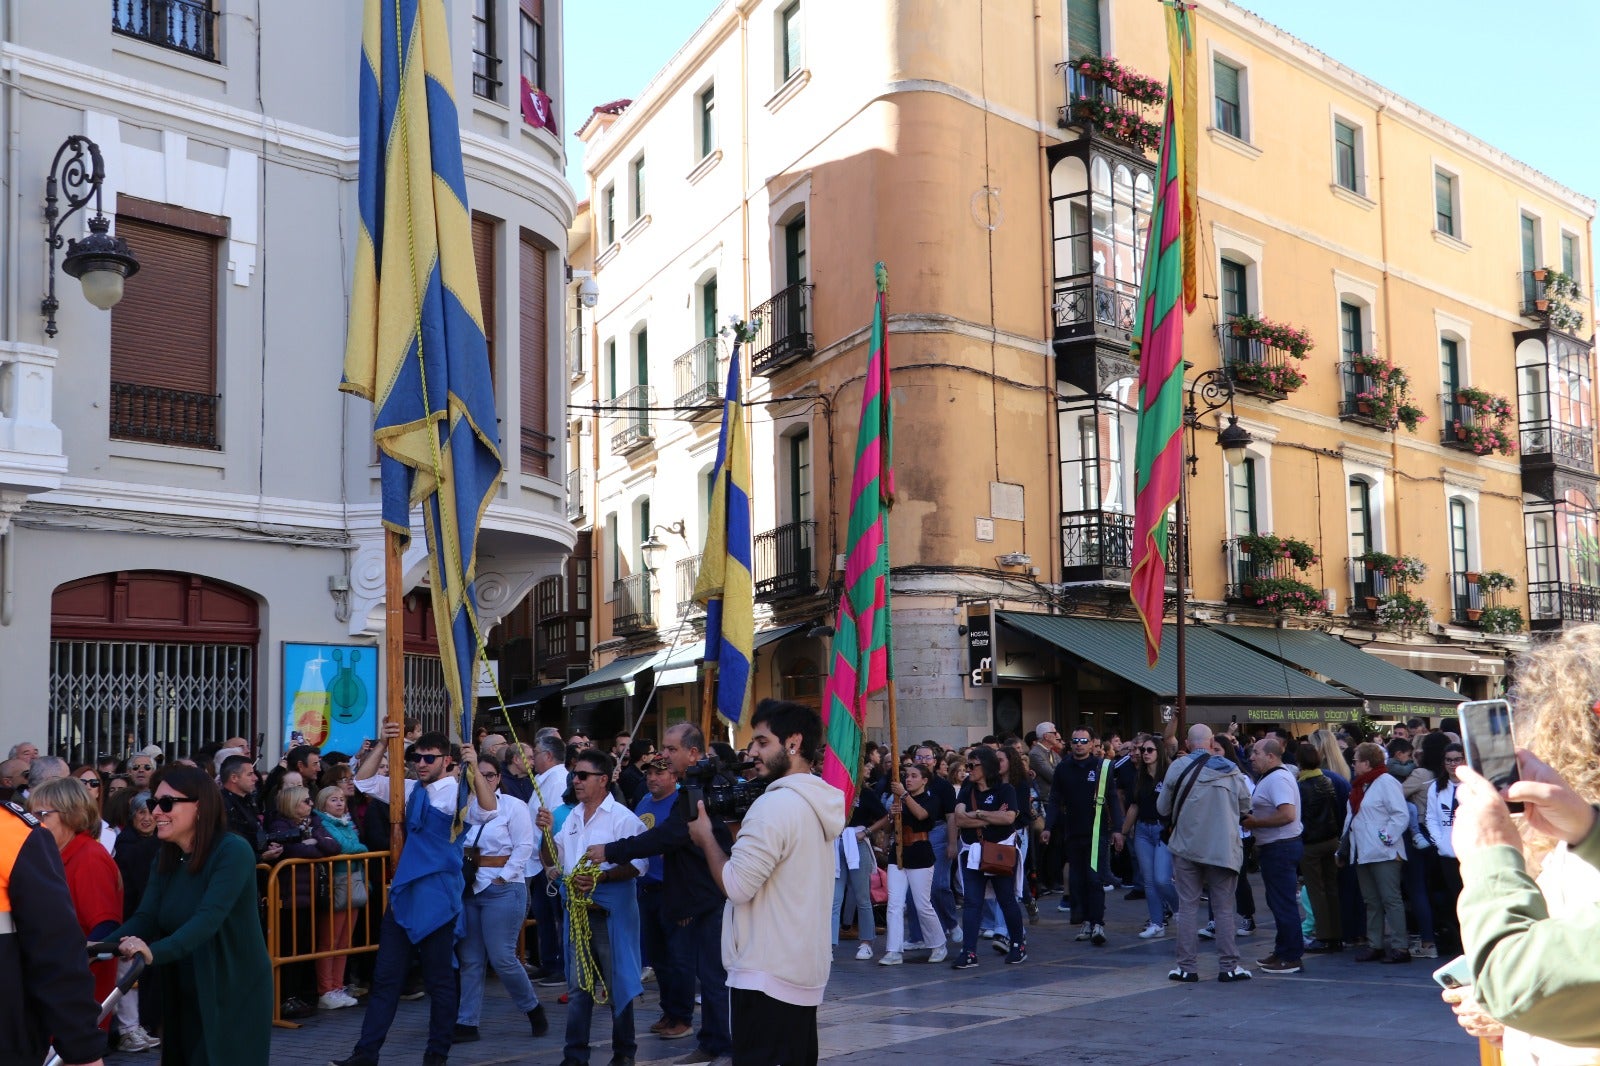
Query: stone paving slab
point(1070, 1002)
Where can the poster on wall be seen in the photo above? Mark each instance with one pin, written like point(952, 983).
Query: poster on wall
point(330, 695)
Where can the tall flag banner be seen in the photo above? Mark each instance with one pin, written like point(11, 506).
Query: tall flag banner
point(1164, 295)
point(416, 347)
point(725, 585)
point(860, 662)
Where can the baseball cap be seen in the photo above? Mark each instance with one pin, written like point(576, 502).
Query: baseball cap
point(152, 751)
point(655, 762)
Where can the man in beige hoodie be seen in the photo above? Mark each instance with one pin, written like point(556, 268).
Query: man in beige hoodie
point(779, 884)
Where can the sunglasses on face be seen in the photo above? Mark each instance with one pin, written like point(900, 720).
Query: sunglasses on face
point(1148, 751)
point(1080, 740)
point(89, 782)
point(426, 760)
point(164, 804)
point(139, 767)
point(584, 775)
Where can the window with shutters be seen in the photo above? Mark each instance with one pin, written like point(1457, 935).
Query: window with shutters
point(531, 42)
point(1227, 86)
point(164, 331)
point(1083, 28)
point(483, 231)
point(534, 336)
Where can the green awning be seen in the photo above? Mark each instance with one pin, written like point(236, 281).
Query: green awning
point(1390, 690)
point(1221, 671)
point(681, 667)
point(613, 681)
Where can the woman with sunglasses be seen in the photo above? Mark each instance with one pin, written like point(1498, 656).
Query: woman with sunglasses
point(1142, 825)
point(198, 927)
point(95, 782)
point(987, 809)
point(135, 821)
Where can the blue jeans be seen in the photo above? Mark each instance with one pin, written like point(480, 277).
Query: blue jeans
point(1280, 865)
point(1155, 866)
point(493, 919)
point(699, 944)
point(1416, 883)
point(860, 881)
point(672, 963)
point(1005, 890)
point(547, 916)
point(437, 951)
point(580, 1004)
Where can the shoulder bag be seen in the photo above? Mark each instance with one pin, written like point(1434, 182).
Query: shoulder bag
point(997, 858)
point(1183, 786)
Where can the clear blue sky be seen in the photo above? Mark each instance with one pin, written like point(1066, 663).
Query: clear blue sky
point(1519, 75)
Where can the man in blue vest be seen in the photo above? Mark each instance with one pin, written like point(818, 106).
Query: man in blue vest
point(425, 895)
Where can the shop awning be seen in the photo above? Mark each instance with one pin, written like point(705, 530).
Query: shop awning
point(533, 696)
point(613, 681)
point(1438, 660)
point(1225, 677)
point(681, 669)
point(1390, 691)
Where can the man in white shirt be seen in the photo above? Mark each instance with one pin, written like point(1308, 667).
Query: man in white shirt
point(425, 894)
point(549, 785)
point(496, 905)
point(1274, 818)
point(611, 909)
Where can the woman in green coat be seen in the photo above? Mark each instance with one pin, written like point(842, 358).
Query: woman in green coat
point(198, 927)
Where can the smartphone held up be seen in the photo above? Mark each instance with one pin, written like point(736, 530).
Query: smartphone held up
point(1491, 745)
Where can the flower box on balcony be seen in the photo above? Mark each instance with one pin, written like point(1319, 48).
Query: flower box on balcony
point(1500, 620)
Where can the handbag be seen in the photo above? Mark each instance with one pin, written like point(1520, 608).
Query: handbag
point(1342, 854)
point(469, 863)
point(997, 859)
point(1184, 785)
point(350, 891)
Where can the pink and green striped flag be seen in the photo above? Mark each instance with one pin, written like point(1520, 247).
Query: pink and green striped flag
point(860, 661)
point(1165, 294)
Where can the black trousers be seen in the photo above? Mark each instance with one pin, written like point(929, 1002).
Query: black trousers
point(769, 1032)
point(1084, 884)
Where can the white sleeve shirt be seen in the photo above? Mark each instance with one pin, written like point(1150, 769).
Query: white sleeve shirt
point(611, 821)
point(551, 786)
point(508, 832)
point(442, 794)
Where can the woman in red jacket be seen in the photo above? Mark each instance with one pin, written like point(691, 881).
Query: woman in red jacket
point(65, 807)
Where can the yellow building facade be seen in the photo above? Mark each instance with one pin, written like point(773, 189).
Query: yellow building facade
point(985, 154)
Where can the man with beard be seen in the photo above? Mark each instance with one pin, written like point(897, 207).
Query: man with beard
point(778, 880)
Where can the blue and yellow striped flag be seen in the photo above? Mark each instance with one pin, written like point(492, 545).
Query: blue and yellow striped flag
point(416, 347)
point(725, 585)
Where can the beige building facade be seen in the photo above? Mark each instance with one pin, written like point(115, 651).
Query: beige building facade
point(993, 160)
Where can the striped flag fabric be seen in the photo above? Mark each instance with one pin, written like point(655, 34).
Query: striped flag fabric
point(726, 583)
point(1165, 295)
point(416, 347)
point(861, 663)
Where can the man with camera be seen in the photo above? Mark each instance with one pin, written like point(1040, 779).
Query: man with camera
point(691, 901)
point(778, 879)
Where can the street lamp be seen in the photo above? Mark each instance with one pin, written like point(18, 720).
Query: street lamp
point(1210, 391)
point(652, 546)
point(100, 261)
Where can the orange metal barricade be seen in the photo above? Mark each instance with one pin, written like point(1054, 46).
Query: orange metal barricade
point(293, 920)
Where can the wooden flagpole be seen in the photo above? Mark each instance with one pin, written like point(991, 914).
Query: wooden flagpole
point(394, 652)
point(708, 702)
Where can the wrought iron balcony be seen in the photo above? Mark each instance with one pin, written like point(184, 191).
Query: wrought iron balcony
point(784, 561)
point(1246, 568)
point(1466, 599)
point(164, 416)
point(187, 26)
point(1549, 443)
point(1094, 106)
point(695, 375)
point(688, 574)
point(1552, 604)
point(1367, 590)
point(1094, 303)
point(1256, 367)
point(784, 335)
point(632, 426)
point(1534, 303)
point(575, 501)
point(633, 604)
point(1456, 419)
point(1097, 547)
point(1352, 408)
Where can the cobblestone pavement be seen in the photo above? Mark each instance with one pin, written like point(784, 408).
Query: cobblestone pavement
point(1069, 1002)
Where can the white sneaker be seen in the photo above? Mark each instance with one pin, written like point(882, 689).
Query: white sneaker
point(987, 934)
point(333, 1000)
point(890, 958)
point(864, 952)
point(1209, 932)
point(915, 946)
point(647, 975)
point(136, 1039)
point(939, 954)
point(1152, 931)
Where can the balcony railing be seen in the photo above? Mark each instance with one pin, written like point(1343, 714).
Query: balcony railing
point(1552, 603)
point(1097, 546)
point(784, 561)
point(1086, 302)
point(1252, 364)
point(1532, 294)
point(1466, 599)
point(1456, 419)
point(1094, 105)
point(632, 604)
point(785, 332)
point(1351, 407)
point(187, 26)
point(632, 427)
point(575, 500)
point(695, 375)
point(1245, 569)
point(164, 416)
point(688, 574)
point(1367, 590)
point(1545, 441)
point(575, 365)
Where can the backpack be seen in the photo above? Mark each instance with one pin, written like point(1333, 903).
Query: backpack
point(1320, 818)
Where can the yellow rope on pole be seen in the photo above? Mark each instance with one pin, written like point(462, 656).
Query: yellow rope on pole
point(590, 979)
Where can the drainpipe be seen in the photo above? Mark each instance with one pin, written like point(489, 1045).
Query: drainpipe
point(1388, 323)
point(1052, 480)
